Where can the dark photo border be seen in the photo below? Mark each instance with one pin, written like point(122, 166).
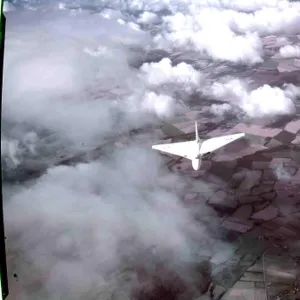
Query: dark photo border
point(3, 266)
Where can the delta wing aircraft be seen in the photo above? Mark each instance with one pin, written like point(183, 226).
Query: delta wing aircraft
point(195, 150)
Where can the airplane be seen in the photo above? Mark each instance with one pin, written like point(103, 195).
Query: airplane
point(197, 149)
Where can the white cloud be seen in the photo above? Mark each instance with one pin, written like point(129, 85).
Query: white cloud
point(14, 148)
point(52, 84)
point(265, 101)
point(290, 51)
point(246, 5)
point(291, 91)
point(121, 21)
point(10, 151)
point(225, 45)
point(162, 105)
point(230, 91)
point(7, 7)
point(207, 33)
point(148, 18)
point(220, 109)
point(223, 32)
point(269, 21)
point(111, 14)
point(77, 219)
point(133, 26)
point(163, 72)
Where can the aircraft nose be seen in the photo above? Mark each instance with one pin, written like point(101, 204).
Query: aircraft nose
point(196, 164)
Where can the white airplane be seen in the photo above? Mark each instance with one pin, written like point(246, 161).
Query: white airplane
point(195, 150)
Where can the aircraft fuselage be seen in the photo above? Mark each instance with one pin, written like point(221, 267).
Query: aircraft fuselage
point(196, 163)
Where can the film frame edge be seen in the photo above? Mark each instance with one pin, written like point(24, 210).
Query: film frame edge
point(3, 265)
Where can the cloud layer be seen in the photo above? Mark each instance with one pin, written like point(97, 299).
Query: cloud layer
point(265, 101)
point(69, 87)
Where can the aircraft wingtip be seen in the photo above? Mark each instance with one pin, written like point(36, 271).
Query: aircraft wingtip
point(156, 147)
point(242, 134)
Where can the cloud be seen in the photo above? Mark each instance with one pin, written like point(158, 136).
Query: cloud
point(73, 221)
point(291, 91)
point(64, 84)
point(221, 109)
point(67, 90)
point(210, 35)
point(289, 51)
point(245, 6)
point(111, 14)
point(10, 152)
point(163, 105)
point(183, 75)
point(265, 18)
point(265, 21)
point(227, 30)
point(7, 7)
point(268, 101)
point(265, 101)
point(15, 147)
point(148, 18)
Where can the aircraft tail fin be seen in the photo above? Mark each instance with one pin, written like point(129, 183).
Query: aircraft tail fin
point(196, 131)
